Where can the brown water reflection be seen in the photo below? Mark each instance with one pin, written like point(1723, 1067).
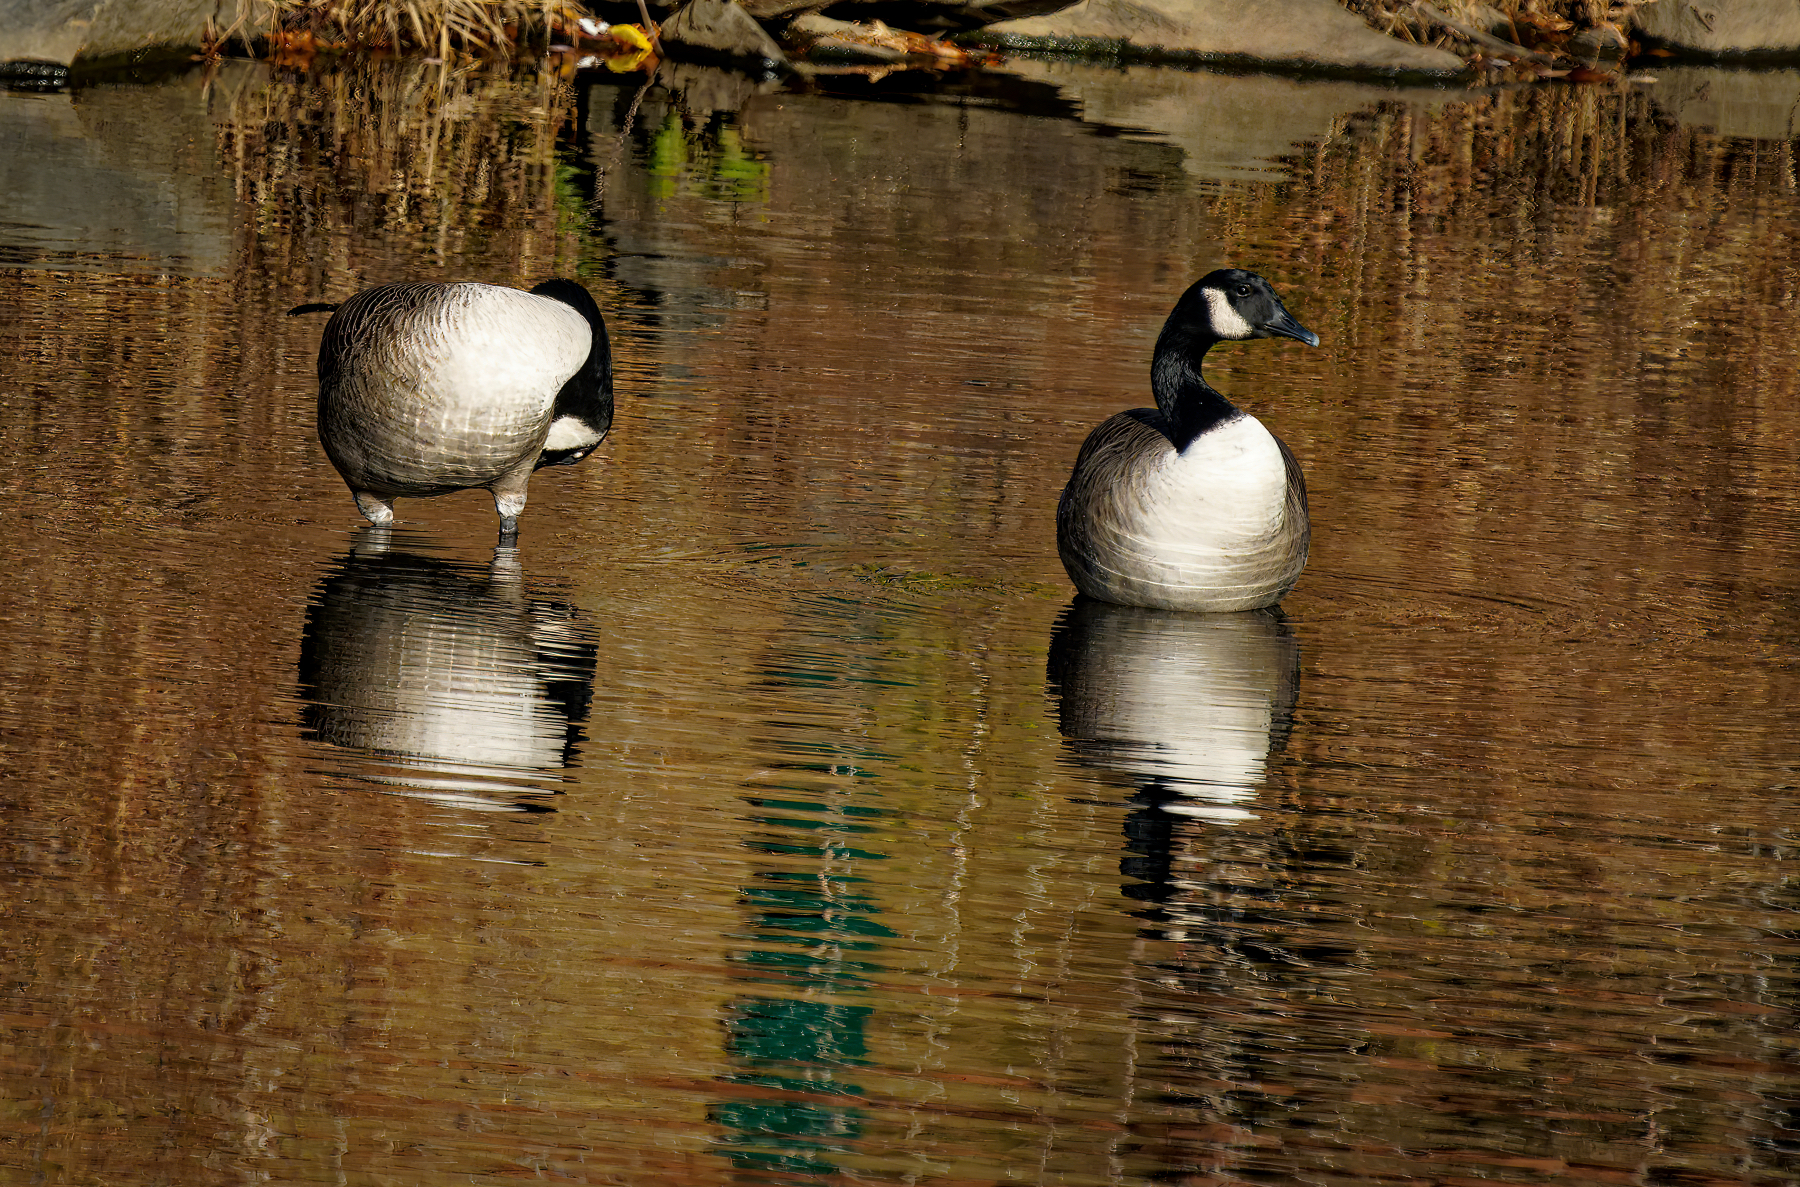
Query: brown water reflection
point(1476, 865)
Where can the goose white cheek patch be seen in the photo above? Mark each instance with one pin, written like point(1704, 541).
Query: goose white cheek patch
point(568, 433)
point(1227, 322)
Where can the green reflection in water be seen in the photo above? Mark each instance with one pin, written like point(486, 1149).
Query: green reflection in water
point(807, 922)
point(813, 927)
point(792, 1046)
point(713, 160)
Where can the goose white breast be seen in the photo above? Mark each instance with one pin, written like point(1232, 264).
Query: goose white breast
point(1192, 505)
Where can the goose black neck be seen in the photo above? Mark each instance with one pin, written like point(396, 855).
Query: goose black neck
point(1189, 405)
point(588, 394)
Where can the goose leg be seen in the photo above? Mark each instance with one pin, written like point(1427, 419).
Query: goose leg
point(509, 496)
point(375, 509)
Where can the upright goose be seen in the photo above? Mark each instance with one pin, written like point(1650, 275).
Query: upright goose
point(430, 388)
point(1193, 504)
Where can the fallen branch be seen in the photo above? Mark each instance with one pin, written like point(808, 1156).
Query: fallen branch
point(1486, 40)
point(655, 41)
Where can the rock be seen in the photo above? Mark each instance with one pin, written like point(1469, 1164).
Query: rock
point(1317, 34)
point(1601, 43)
point(61, 31)
point(824, 40)
point(939, 16)
point(1489, 19)
point(1722, 27)
point(775, 10)
point(722, 29)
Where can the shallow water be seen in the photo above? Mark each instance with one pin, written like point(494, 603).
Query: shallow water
point(770, 814)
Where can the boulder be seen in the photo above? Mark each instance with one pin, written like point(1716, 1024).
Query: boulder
point(932, 16)
point(1723, 28)
point(721, 29)
point(60, 31)
point(826, 39)
point(775, 10)
point(1315, 34)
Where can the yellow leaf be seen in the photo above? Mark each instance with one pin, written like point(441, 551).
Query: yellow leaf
point(629, 35)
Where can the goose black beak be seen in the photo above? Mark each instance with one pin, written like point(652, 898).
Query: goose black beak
point(1284, 325)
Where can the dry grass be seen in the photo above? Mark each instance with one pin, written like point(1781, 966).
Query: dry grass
point(441, 27)
point(1549, 27)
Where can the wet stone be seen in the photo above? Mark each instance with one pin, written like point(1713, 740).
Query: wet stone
point(1723, 27)
point(721, 28)
point(1315, 33)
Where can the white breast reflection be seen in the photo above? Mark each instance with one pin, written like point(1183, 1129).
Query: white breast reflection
point(447, 678)
point(1188, 706)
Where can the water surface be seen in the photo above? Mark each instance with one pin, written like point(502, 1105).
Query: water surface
point(773, 814)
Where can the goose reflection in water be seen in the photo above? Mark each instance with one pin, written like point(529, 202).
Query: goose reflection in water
point(1243, 899)
point(463, 688)
point(1188, 706)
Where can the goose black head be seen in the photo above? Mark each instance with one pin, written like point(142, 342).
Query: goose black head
point(1231, 305)
point(584, 407)
point(1223, 306)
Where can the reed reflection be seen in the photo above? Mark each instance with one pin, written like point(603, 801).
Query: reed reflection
point(453, 681)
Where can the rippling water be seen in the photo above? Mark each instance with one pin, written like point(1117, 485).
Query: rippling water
point(772, 814)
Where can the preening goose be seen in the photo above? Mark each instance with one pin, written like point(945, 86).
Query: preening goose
point(1193, 504)
point(430, 388)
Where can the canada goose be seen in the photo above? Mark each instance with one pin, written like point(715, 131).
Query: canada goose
point(430, 388)
point(1193, 504)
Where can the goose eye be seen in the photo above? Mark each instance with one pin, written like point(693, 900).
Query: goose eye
point(1242, 290)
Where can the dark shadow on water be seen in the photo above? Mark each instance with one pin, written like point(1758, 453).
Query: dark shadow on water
point(449, 680)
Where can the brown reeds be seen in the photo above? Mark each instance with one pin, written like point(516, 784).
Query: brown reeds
point(1540, 30)
point(440, 27)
